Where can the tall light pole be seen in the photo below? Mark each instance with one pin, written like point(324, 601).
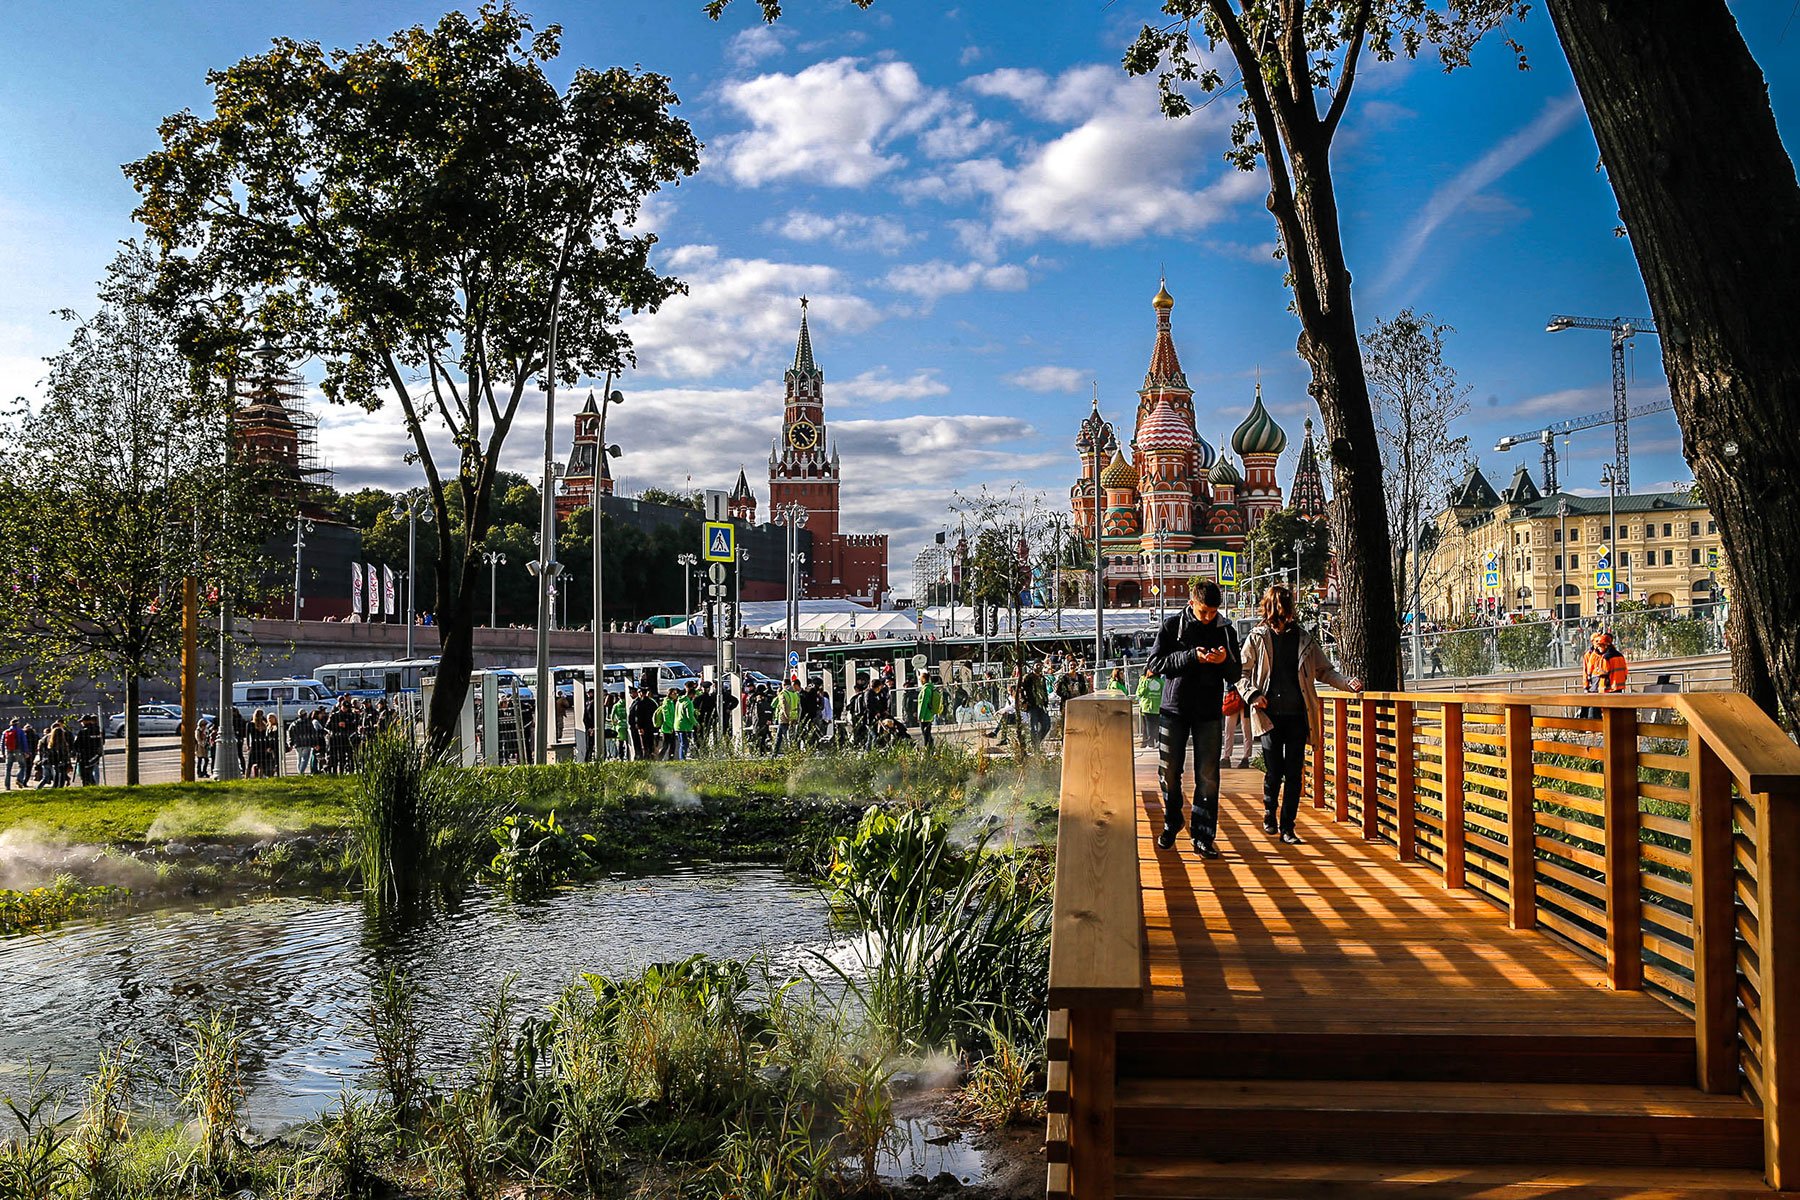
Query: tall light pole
point(1611, 479)
point(793, 515)
point(495, 560)
point(302, 527)
point(602, 452)
point(1562, 537)
point(688, 563)
point(413, 506)
point(225, 759)
point(1094, 430)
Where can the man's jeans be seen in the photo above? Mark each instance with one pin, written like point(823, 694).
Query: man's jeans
point(1178, 729)
point(16, 768)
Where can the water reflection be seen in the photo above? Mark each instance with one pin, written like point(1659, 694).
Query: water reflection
point(297, 971)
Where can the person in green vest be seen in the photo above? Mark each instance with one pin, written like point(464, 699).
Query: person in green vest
point(686, 720)
point(665, 724)
point(1116, 681)
point(787, 713)
point(1149, 698)
point(931, 707)
point(616, 718)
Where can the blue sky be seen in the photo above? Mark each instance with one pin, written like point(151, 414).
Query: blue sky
point(977, 201)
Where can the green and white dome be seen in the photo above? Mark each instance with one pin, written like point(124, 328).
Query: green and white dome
point(1259, 434)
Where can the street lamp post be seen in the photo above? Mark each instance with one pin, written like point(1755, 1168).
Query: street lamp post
point(688, 563)
point(494, 560)
point(412, 506)
point(792, 515)
point(1611, 479)
point(604, 451)
point(1562, 536)
point(1094, 430)
point(302, 527)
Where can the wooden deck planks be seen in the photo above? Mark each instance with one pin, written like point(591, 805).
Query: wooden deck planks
point(1316, 937)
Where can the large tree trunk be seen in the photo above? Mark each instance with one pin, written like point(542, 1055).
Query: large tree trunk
point(1709, 199)
point(456, 652)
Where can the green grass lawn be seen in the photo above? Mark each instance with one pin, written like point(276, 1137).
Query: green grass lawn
point(240, 808)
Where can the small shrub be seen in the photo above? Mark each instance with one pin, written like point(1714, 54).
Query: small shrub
point(213, 1091)
point(33, 1165)
point(999, 1088)
point(393, 1024)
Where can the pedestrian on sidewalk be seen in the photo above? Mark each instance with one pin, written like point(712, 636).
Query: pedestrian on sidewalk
point(1196, 653)
point(18, 758)
point(1283, 666)
point(90, 744)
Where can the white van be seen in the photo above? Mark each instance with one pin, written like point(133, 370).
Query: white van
point(668, 673)
point(287, 695)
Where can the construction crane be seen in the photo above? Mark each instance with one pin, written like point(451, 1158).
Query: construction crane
point(1623, 329)
point(1547, 435)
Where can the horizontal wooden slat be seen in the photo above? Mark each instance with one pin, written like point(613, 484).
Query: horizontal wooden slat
point(1752, 746)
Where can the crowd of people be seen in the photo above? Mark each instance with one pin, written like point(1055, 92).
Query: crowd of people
point(55, 756)
point(324, 740)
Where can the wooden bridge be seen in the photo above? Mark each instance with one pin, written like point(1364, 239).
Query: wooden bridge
point(1523, 953)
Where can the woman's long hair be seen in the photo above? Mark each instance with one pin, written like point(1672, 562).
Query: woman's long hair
point(1277, 606)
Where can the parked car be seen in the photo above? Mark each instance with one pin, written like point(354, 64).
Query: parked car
point(152, 719)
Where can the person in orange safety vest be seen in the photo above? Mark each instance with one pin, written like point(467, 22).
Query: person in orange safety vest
point(1603, 667)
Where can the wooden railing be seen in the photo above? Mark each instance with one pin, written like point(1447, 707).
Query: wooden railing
point(1660, 833)
point(1096, 942)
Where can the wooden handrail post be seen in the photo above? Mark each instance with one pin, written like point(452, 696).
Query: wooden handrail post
point(1370, 784)
point(1340, 775)
point(1715, 920)
point(1521, 820)
point(1404, 797)
point(1318, 762)
point(1093, 1059)
point(1624, 859)
point(1454, 855)
point(1778, 915)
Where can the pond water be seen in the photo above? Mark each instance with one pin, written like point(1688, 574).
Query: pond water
point(297, 970)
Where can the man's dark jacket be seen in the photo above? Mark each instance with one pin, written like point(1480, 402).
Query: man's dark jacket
point(1192, 688)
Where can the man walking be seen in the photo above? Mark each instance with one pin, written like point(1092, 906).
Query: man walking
point(931, 706)
point(90, 744)
point(17, 761)
point(1196, 653)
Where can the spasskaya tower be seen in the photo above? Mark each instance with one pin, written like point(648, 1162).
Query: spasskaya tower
point(804, 469)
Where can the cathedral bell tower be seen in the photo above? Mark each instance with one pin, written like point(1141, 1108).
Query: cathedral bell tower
point(802, 469)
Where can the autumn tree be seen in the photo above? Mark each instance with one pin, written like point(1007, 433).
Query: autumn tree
point(433, 208)
point(1709, 199)
point(117, 491)
point(1418, 403)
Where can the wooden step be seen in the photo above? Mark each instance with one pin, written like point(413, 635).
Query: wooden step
point(1202, 1179)
point(1378, 1120)
point(1507, 1056)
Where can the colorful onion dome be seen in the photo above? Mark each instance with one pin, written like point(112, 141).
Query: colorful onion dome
point(1163, 299)
point(1224, 474)
point(1259, 434)
point(1164, 431)
point(1119, 473)
point(1204, 454)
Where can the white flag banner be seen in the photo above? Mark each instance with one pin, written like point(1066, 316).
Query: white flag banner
point(356, 586)
point(374, 592)
point(387, 588)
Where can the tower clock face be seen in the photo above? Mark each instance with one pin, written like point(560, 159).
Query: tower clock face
point(803, 435)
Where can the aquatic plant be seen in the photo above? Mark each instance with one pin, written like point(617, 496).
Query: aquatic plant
point(537, 853)
point(419, 820)
point(105, 1122)
point(463, 1146)
point(213, 1086)
point(1003, 1087)
point(65, 897)
point(356, 1137)
point(394, 1026)
point(33, 1165)
point(776, 1159)
point(865, 1116)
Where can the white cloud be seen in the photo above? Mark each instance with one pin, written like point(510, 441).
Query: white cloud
point(1453, 196)
point(878, 387)
point(1122, 171)
point(755, 44)
point(830, 123)
point(740, 312)
point(931, 280)
point(1049, 379)
point(862, 231)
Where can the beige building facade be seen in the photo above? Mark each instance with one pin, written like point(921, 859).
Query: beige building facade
point(1522, 551)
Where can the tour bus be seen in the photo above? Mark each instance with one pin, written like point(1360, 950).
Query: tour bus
point(669, 674)
point(279, 695)
point(377, 679)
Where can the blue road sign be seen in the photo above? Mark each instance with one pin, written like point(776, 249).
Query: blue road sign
point(719, 541)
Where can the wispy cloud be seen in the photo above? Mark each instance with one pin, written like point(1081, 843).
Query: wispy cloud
point(1454, 196)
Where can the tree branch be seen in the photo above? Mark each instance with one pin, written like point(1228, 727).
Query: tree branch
point(1340, 96)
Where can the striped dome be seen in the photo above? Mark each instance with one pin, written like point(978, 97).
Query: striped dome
point(1119, 473)
point(1204, 454)
point(1224, 473)
point(1164, 430)
point(1259, 434)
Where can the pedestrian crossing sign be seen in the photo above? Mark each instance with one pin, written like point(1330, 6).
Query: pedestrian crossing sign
point(1490, 571)
point(1228, 564)
point(719, 541)
point(1603, 572)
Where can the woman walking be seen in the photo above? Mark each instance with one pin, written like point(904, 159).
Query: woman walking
point(1149, 699)
point(1283, 666)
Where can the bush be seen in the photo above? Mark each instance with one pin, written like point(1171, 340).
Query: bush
point(1466, 652)
point(1526, 646)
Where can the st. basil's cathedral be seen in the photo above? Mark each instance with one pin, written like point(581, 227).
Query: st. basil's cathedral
point(1169, 509)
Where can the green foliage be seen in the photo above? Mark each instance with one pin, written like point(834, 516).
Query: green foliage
point(1525, 646)
point(420, 822)
point(356, 1138)
point(960, 939)
point(1000, 1087)
point(42, 907)
point(1683, 637)
point(213, 1088)
point(1273, 542)
point(105, 1123)
point(535, 854)
point(1466, 652)
point(394, 1027)
point(33, 1165)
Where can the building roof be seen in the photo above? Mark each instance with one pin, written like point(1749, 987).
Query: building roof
point(1119, 473)
point(803, 351)
point(1165, 365)
point(1164, 431)
point(1224, 474)
point(1596, 506)
point(741, 490)
point(1308, 494)
point(1474, 491)
point(1522, 489)
point(1259, 434)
